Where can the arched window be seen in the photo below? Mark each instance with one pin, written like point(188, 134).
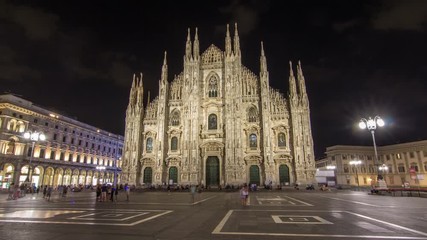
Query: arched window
point(175, 118)
point(213, 86)
point(212, 122)
point(252, 115)
point(149, 146)
point(11, 125)
point(414, 166)
point(20, 127)
point(174, 143)
point(253, 141)
point(281, 140)
point(11, 147)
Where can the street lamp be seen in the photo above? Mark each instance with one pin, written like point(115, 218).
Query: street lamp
point(372, 124)
point(34, 137)
point(383, 168)
point(356, 163)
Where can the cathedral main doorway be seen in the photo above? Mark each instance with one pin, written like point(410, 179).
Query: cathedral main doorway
point(284, 174)
point(173, 175)
point(212, 171)
point(254, 175)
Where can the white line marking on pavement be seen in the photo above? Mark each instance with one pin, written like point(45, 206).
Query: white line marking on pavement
point(218, 228)
point(308, 204)
point(391, 224)
point(357, 202)
point(90, 223)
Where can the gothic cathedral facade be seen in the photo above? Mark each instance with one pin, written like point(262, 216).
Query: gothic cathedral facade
point(218, 123)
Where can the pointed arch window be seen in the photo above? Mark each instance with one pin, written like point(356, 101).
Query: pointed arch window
point(252, 115)
point(253, 141)
point(174, 143)
point(213, 86)
point(212, 122)
point(175, 118)
point(149, 146)
point(281, 142)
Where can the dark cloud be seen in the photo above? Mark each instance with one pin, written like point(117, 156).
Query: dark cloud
point(401, 15)
point(245, 13)
point(36, 23)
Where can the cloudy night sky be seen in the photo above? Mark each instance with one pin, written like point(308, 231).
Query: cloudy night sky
point(359, 58)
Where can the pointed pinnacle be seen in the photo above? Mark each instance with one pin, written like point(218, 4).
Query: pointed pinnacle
point(262, 49)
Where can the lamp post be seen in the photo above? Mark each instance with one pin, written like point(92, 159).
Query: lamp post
point(34, 136)
point(356, 163)
point(372, 125)
point(383, 168)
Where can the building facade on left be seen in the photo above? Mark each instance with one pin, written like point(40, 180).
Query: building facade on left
point(72, 153)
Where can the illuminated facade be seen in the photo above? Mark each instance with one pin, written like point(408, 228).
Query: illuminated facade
point(218, 123)
point(70, 154)
point(405, 162)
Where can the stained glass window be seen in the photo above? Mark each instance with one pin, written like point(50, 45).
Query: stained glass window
point(174, 144)
point(253, 141)
point(212, 124)
point(149, 147)
point(281, 140)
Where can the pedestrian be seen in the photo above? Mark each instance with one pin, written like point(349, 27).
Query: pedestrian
point(44, 191)
point(244, 195)
point(193, 192)
point(104, 193)
point(49, 193)
point(98, 193)
point(127, 190)
point(116, 192)
point(64, 191)
point(113, 191)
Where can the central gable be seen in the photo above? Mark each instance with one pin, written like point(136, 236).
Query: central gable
point(212, 57)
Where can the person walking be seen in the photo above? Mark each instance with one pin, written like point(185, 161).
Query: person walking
point(104, 193)
point(193, 192)
point(98, 193)
point(116, 193)
point(244, 195)
point(113, 191)
point(127, 190)
point(49, 193)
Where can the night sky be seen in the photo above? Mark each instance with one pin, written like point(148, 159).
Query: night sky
point(359, 58)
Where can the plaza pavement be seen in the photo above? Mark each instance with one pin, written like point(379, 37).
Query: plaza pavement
point(285, 214)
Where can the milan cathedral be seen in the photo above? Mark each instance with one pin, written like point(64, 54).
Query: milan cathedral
point(218, 123)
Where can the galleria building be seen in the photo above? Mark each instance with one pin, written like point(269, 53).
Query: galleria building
point(218, 123)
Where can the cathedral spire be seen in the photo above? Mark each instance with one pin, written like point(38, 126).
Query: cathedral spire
point(236, 41)
point(263, 60)
point(188, 46)
point(196, 51)
point(140, 91)
point(292, 86)
point(132, 90)
point(228, 42)
point(164, 69)
point(148, 99)
point(301, 80)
